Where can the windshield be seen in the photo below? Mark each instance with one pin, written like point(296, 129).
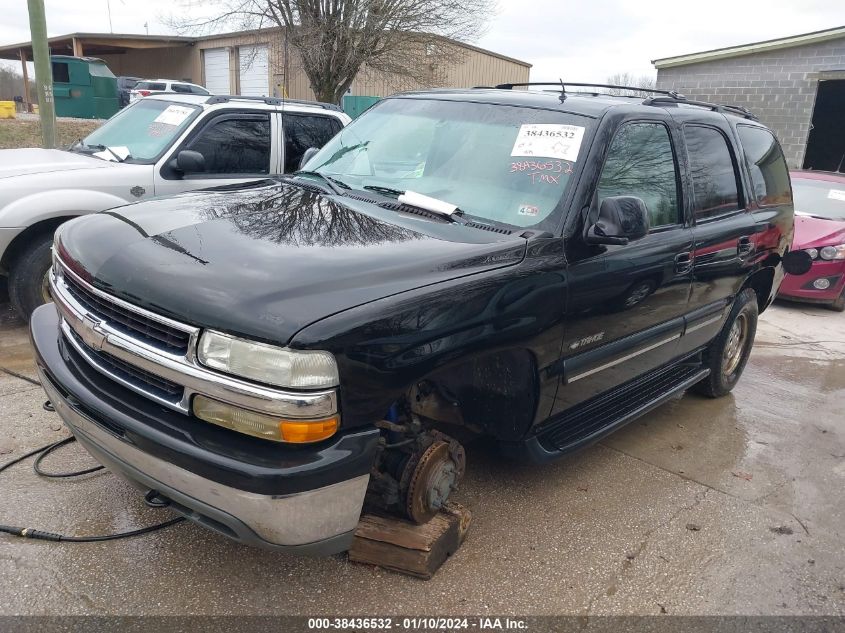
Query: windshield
point(502, 163)
point(820, 198)
point(145, 128)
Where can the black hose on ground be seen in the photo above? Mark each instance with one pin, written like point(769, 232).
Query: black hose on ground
point(52, 536)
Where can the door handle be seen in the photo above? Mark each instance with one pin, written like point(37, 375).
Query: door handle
point(683, 263)
point(744, 246)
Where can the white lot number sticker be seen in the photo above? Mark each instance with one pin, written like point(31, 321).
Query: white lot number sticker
point(174, 115)
point(549, 140)
point(836, 194)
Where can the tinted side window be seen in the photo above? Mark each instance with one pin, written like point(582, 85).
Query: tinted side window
point(238, 145)
point(640, 163)
point(303, 131)
point(60, 73)
point(199, 91)
point(769, 174)
point(184, 89)
point(714, 181)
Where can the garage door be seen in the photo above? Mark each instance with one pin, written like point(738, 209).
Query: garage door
point(216, 64)
point(255, 73)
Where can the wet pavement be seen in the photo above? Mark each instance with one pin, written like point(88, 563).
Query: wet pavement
point(730, 506)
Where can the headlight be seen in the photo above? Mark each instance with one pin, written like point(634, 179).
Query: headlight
point(812, 252)
point(833, 252)
point(267, 363)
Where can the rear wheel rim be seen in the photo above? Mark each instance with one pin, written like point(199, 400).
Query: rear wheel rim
point(638, 294)
point(735, 344)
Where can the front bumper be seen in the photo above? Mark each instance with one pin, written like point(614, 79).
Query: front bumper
point(800, 287)
point(308, 502)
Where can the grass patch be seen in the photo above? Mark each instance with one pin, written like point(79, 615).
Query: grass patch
point(16, 133)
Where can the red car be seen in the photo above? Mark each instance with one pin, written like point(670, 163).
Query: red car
point(819, 230)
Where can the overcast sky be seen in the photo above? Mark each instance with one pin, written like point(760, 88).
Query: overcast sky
point(579, 41)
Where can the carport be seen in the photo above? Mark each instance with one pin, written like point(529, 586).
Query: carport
point(124, 54)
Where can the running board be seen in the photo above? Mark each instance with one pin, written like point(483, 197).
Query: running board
point(590, 421)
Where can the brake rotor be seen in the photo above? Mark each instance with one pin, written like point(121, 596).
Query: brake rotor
point(436, 475)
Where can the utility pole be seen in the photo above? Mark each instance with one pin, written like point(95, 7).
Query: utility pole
point(43, 72)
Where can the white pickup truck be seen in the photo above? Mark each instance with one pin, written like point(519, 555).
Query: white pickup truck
point(159, 145)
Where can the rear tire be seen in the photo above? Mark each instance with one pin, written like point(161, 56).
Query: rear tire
point(27, 280)
point(839, 304)
point(728, 353)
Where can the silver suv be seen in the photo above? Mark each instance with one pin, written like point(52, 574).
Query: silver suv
point(159, 145)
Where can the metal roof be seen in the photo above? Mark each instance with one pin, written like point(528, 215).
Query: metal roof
point(749, 49)
point(124, 40)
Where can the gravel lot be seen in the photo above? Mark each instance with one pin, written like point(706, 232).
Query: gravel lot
point(731, 506)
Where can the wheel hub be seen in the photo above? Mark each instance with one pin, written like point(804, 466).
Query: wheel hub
point(735, 345)
point(437, 473)
point(638, 294)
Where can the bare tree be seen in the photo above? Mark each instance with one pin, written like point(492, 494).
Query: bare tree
point(408, 40)
point(11, 84)
point(629, 79)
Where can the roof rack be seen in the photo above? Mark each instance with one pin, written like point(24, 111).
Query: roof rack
point(665, 97)
point(562, 84)
point(214, 99)
point(716, 107)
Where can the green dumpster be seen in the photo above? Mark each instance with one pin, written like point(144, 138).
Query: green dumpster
point(353, 106)
point(83, 87)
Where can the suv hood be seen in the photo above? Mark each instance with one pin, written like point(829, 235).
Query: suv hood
point(267, 260)
point(22, 162)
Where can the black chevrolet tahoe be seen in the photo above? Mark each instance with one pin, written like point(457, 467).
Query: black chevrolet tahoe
point(536, 267)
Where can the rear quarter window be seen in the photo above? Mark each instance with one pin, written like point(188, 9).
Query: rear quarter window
point(769, 174)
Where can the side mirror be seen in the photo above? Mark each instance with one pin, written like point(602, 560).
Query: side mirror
point(621, 219)
point(308, 155)
point(188, 162)
point(797, 262)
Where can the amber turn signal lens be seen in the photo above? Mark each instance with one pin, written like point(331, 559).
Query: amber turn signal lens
point(261, 425)
point(311, 431)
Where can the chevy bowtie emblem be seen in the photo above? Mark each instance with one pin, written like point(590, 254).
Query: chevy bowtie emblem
point(91, 333)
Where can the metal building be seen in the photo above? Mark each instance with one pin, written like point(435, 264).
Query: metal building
point(255, 63)
point(795, 85)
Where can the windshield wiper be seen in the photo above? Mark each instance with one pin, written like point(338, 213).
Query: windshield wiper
point(386, 191)
point(98, 148)
point(334, 184)
point(421, 201)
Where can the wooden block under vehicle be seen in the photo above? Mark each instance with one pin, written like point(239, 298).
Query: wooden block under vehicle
point(408, 548)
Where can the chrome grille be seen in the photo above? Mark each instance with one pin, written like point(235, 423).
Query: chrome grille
point(154, 356)
point(131, 323)
point(127, 374)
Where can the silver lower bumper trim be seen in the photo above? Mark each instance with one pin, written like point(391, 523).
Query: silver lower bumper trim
point(287, 521)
